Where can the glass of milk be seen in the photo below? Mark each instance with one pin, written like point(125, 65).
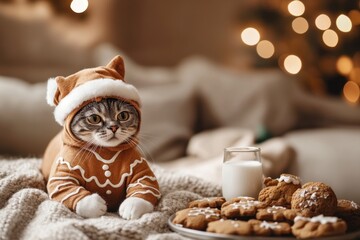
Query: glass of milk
point(242, 173)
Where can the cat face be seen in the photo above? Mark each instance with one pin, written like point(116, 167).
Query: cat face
point(106, 123)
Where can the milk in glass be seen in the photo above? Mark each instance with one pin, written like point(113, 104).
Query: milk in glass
point(241, 176)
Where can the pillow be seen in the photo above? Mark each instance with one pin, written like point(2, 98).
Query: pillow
point(26, 123)
point(168, 120)
point(329, 155)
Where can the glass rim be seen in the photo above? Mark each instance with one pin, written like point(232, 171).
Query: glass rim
point(242, 149)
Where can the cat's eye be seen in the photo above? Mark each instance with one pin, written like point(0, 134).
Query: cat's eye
point(123, 116)
point(94, 119)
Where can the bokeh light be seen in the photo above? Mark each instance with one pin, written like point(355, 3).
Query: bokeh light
point(343, 23)
point(296, 8)
point(344, 65)
point(79, 6)
point(330, 38)
point(292, 64)
point(250, 36)
point(265, 49)
point(351, 92)
point(322, 22)
point(300, 25)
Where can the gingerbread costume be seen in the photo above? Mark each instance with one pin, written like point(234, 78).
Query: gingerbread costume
point(74, 169)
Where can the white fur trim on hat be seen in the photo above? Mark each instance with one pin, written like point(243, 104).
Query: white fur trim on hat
point(51, 90)
point(104, 87)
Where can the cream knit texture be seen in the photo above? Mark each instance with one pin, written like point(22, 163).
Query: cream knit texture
point(26, 212)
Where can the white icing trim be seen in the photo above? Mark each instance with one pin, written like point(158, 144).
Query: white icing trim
point(71, 194)
point(138, 182)
point(140, 179)
point(58, 188)
point(142, 185)
point(95, 179)
point(207, 212)
point(51, 91)
point(98, 157)
point(354, 205)
point(63, 178)
point(145, 192)
point(320, 218)
point(270, 225)
point(289, 179)
point(245, 204)
point(275, 209)
point(91, 90)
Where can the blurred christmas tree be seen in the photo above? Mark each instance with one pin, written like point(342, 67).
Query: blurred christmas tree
point(318, 41)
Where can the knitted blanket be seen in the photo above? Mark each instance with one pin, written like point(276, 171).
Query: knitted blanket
point(26, 212)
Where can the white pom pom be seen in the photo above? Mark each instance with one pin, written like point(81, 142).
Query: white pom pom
point(51, 90)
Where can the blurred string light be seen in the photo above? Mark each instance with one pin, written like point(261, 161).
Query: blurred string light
point(343, 23)
point(79, 6)
point(330, 38)
point(265, 49)
point(296, 8)
point(292, 64)
point(344, 65)
point(351, 92)
point(300, 25)
point(250, 36)
point(323, 22)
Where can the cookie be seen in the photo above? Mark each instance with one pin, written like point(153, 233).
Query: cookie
point(277, 214)
point(238, 199)
point(279, 191)
point(244, 208)
point(213, 202)
point(196, 218)
point(349, 211)
point(319, 226)
point(232, 227)
point(264, 228)
point(314, 198)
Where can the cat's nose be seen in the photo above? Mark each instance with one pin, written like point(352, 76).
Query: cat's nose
point(113, 128)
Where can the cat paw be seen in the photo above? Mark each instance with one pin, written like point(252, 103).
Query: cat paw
point(91, 206)
point(133, 208)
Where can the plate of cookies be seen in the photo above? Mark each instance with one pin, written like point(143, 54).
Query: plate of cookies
point(284, 209)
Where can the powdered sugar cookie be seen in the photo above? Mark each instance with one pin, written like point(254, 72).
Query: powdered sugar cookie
point(277, 214)
point(213, 202)
point(313, 199)
point(264, 228)
point(243, 208)
point(196, 218)
point(238, 199)
point(279, 191)
point(232, 227)
point(319, 226)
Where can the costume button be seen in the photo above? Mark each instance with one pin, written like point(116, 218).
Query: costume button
point(105, 167)
point(108, 192)
point(107, 173)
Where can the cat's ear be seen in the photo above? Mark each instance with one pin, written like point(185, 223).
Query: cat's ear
point(117, 63)
point(53, 92)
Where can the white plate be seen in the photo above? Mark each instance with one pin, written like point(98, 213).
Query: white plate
point(195, 234)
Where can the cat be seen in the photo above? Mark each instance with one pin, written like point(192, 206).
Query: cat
point(94, 165)
point(107, 123)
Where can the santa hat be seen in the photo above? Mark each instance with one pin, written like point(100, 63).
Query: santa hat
point(69, 93)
